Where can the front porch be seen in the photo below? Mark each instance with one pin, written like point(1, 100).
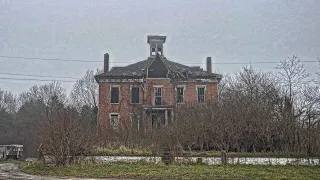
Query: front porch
point(157, 116)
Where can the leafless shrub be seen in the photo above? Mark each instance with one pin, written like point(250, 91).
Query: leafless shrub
point(65, 136)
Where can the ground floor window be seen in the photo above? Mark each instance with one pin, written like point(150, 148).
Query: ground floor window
point(114, 121)
point(134, 121)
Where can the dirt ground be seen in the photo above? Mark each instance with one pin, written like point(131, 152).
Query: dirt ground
point(11, 171)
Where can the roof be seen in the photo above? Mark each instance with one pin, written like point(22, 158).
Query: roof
point(156, 37)
point(10, 145)
point(137, 70)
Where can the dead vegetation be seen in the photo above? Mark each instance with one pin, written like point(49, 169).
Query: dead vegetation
point(257, 112)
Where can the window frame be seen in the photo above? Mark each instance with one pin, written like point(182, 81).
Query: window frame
point(183, 94)
point(204, 93)
point(114, 86)
point(155, 96)
point(131, 97)
point(131, 120)
point(110, 122)
point(153, 51)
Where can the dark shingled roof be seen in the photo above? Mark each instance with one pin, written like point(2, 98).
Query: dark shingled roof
point(138, 69)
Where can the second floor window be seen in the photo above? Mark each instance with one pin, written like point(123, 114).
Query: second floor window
point(180, 94)
point(157, 96)
point(135, 95)
point(115, 95)
point(201, 94)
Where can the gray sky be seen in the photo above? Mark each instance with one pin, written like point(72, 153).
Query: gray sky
point(227, 30)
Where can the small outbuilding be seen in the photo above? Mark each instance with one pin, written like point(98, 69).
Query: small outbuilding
point(13, 151)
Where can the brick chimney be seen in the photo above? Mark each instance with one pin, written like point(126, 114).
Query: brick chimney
point(106, 62)
point(209, 65)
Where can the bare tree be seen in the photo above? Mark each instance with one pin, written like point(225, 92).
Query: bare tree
point(292, 74)
point(65, 136)
point(36, 105)
point(8, 102)
point(85, 91)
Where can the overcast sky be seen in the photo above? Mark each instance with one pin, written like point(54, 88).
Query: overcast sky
point(227, 30)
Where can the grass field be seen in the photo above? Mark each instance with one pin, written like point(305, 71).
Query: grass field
point(160, 171)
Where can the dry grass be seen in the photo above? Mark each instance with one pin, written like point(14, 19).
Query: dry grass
point(160, 171)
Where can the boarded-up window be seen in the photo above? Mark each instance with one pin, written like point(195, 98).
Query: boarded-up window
point(201, 94)
point(134, 121)
point(114, 94)
point(114, 121)
point(135, 95)
point(158, 96)
point(180, 94)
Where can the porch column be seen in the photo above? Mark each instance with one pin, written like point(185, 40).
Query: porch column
point(144, 123)
point(172, 115)
point(166, 117)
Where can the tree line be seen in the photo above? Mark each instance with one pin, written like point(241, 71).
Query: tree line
point(257, 112)
point(268, 112)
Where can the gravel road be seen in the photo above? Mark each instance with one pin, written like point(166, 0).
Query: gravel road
point(12, 172)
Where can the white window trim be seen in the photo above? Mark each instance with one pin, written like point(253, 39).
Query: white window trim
point(154, 93)
point(184, 95)
point(137, 120)
point(157, 86)
point(110, 93)
point(205, 92)
point(131, 86)
point(110, 114)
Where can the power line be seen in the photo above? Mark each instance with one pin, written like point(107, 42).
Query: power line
point(30, 79)
point(49, 80)
point(31, 75)
point(261, 62)
point(125, 62)
point(47, 59)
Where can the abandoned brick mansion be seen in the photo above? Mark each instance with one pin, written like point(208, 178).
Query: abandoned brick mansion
point(156, 85)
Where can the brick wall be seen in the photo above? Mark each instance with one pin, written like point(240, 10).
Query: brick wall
point(124, 108)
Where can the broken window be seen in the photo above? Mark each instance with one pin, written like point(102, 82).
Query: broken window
point(114, 94)
point(201, 94)
point(157, 120)
point(135, 95)
point(134, 121)
point(158, 96)
point(180, 94)
point(114, 121)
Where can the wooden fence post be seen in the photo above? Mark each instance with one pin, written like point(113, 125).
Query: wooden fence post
point(223, 158)
point(167, 157)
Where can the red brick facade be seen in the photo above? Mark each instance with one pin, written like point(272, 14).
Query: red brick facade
point(146, 98)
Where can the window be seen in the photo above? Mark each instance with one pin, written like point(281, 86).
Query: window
point(180, 94)
point(135, 95)
point(158, 96)
point(114, 121)
point(134, 121)
point(201, 94)
point(153, 51)
point(158, 119)
point(115, 95)
point(160, 51)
